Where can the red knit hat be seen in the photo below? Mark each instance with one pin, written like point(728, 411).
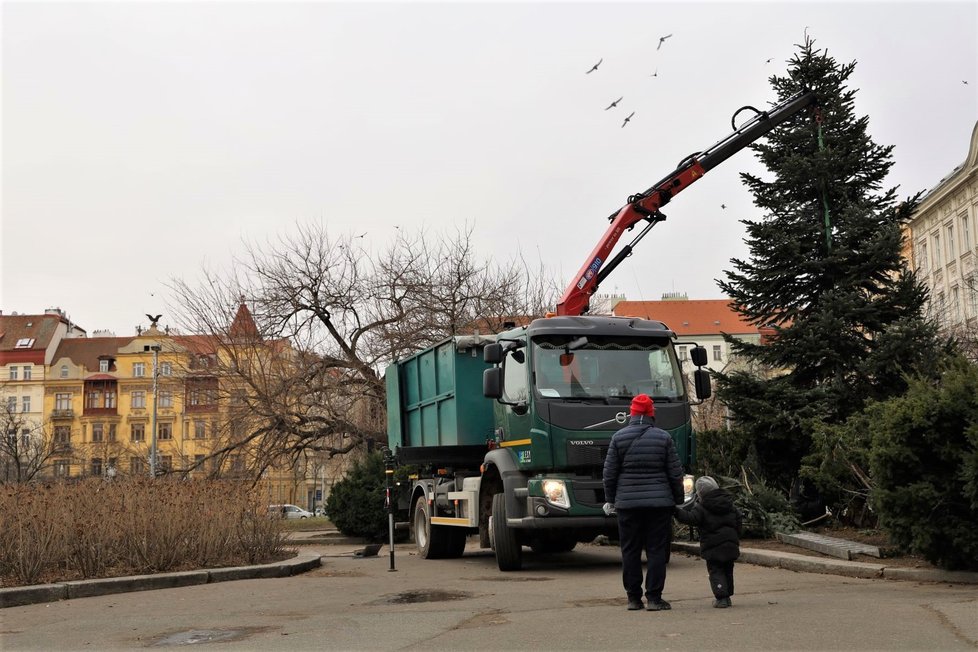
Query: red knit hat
point(643, 405)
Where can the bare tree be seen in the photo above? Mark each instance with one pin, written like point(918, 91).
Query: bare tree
point(25, 448)
point(329, 315)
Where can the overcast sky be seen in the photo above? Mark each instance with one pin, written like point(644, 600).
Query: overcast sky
point(142, 140)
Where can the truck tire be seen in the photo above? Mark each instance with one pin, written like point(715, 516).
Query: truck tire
point(430, 540)
point(509, 552)
point(455, 547)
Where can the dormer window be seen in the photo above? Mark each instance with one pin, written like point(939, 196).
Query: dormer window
point(64, 371)
point(103, 366)
point(24, 343)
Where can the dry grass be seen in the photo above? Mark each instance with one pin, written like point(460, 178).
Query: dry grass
point(94, 528)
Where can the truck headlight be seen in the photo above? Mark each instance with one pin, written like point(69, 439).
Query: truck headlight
point(687, 488)
point(556, 493)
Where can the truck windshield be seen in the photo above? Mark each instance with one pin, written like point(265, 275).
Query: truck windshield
point(605, 367)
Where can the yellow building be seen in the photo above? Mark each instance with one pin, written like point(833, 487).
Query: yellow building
point(103, 395)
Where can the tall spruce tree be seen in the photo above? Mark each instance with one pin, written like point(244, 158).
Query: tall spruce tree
point(825, 272)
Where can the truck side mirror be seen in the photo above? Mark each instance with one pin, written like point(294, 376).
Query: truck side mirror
point(493, 353)
point(492, 381)
point(698, 354)
point(704, 388)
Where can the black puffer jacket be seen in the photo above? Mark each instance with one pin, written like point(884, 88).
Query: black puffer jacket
point(649, 473)
point(719, 523)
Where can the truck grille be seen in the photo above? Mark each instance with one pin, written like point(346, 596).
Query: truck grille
point(587, 454)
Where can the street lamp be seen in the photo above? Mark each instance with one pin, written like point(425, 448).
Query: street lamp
point(155, 348)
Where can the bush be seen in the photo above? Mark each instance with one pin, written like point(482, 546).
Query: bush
point(356, 503)
point(925, 466)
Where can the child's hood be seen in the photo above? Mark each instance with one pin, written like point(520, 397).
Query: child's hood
point(718, 501)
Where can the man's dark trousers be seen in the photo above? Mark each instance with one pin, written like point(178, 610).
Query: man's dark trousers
point(721, 578)
point(648, 529)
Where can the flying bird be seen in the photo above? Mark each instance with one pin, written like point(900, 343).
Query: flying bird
point(769, 60)
point(723, 206)
point(627, 119)
point(615, 103)
point(964, 82)
point(655, 74)
point(662, 39)
point(595, 66)
point(152, 319)
point(362, 234)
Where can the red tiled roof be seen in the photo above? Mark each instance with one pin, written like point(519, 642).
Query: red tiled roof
point(243, 325)
point(85, 351)
point(689, 317)
point(40, 328)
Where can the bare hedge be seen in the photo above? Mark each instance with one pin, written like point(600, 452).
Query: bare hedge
point(97, 528)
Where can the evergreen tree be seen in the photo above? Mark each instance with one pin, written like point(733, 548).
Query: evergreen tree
point(825, 272)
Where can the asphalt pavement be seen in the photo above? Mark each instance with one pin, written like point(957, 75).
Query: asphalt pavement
point(572, 601)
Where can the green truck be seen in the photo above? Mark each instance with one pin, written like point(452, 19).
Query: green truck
point(507, 434)
point(525, 469)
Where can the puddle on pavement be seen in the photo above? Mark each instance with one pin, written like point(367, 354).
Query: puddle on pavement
point(430, 595)
point(196, 636)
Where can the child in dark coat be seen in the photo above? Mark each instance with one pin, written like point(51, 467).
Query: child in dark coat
point(719, 523)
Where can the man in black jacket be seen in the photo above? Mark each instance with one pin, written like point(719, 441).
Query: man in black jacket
point(719, 522)
point(643, 482)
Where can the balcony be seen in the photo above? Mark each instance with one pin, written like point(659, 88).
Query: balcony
point(63, 414)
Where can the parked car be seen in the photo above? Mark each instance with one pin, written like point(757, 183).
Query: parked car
point(288, 511)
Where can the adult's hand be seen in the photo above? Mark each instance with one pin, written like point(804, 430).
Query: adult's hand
point(609, 509)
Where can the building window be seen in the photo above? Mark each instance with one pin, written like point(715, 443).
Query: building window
point(200, 430)
point(93, 399)
point(965, 234)
point(164, 430)
point(198, 462)
point(96, 466)
point(137, 466)
point(138, 432)
point(27, 373)
point(14, 374)
point(109, 399)
point(937, 251)
point(26, 404)
point(955, 305)
point(103, 366)
point(62, 401)
point(64, 371)
point(683, 354)
point(138, 369)
point(717, 355)
point(62, 435)
point(24, 343)
point(112, 430)
point(11, 404)
point(164, 463)
point(138, 400)
point(61, 468)
point(922, 257)
point(166, 369)
point(25, 438)
point(951, 253)
point(98, 432)
point(237, 464)
point(166, 399)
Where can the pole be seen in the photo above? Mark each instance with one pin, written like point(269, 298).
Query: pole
point(389, 474)
point(152, 447)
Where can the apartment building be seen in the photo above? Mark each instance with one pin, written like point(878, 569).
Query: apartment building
point(943, 244)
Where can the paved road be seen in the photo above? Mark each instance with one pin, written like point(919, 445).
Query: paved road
point(565, 602)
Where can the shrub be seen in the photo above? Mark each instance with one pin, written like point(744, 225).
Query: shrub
point(356, 503)
point(925, 466)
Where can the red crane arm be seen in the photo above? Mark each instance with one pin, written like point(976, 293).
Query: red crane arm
point(646, 205)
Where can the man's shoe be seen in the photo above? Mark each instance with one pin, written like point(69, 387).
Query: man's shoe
point(721, 603)
point(727, 602)
point(658, 605)
point(634, 605)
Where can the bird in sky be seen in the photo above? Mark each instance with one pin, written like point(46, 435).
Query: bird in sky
point(362, 234)
point(964, 82)
point(769, 60)
point(655, 74)
point(723, 206)
point(627, 119)
point(662, 39)
point(615, 103)
point(595, 66)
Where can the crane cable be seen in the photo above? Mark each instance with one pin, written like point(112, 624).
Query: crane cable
point(825, 198)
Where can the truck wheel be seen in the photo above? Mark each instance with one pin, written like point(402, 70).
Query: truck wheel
point(456, 542)
point(426, 537)
point(509, 552)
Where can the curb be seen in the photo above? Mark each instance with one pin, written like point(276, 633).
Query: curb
point(23, 595)
point(809, 564)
